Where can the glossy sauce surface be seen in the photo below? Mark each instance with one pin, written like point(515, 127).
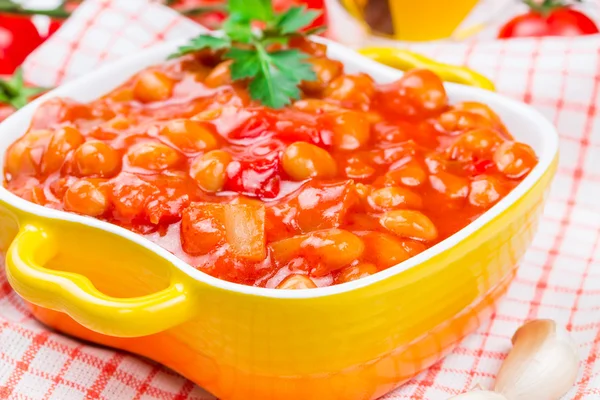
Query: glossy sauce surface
point(352, 179)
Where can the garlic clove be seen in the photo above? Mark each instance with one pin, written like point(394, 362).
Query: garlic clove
point(542, 364)
point(479, 395)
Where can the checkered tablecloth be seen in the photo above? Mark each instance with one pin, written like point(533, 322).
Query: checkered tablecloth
point(559, 277)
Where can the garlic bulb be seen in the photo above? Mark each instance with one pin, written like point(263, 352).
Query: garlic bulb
point(479, 395)
point(543, 363)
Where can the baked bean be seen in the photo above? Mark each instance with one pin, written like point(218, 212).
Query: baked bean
point(96, 158)
point(123, 94)
point(409, 224)
point(419, 93)
point(426, 88)
point(119, 123)
point(385, 250)
point(316, 106)
point(359, 170)
point(209, 170)
point(453, 186)
point(486, 191)
point(189, 136)
point(326, 70)
point(20, 156)
point(357, 89)
point(294, 282)
point(478, 143)
point(410, 174)
point(308, 46)
point(355, 272)
point(62, 143)
point(86, 197)
point(455, 120)
point(479, 109)
point(330, 248)
point(303, 160)
point(515, 159)
point(392, 197)
point(152, 156)
point(151, 86)
point(351, 130)
point(220, 75)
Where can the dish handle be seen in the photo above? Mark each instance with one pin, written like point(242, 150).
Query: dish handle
point(75, 295)
point(404, 60)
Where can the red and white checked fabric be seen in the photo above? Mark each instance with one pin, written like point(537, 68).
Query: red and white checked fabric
point(559, 277)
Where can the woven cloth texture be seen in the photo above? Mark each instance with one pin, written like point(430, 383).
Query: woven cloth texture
point(558, 278)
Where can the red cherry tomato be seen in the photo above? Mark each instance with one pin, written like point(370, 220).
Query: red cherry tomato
point(18, 38)
point(282, 5)
point(560, 21)
point(55, 25)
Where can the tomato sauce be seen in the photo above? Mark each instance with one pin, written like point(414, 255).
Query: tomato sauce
point(352, 179)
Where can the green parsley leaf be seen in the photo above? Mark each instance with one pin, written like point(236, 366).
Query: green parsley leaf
point(261, 10)
point(202, 42)
point(238, 28)
point(291, 63)
point(272, 88)
point(246, 63)
point(294, 19)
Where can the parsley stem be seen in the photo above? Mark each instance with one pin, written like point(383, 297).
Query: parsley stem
point(265, 65)
point(202, 9)
point(11, 8)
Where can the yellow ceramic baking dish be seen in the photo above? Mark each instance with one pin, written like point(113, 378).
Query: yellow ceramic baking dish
point(354, 341)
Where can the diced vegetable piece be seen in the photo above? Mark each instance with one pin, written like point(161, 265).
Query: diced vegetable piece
point(245, 227)
point(129, 196)
point(202, 228)
point(313, 207)
point(206, 226)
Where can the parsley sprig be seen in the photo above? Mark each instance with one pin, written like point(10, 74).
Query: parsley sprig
point(260, 55)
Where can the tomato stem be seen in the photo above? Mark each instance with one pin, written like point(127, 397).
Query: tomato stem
point(14, 92)
point(202, 9)
point(9, 7)
point(545, 7)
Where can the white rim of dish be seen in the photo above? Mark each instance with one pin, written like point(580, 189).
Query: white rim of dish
point(548, 153)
